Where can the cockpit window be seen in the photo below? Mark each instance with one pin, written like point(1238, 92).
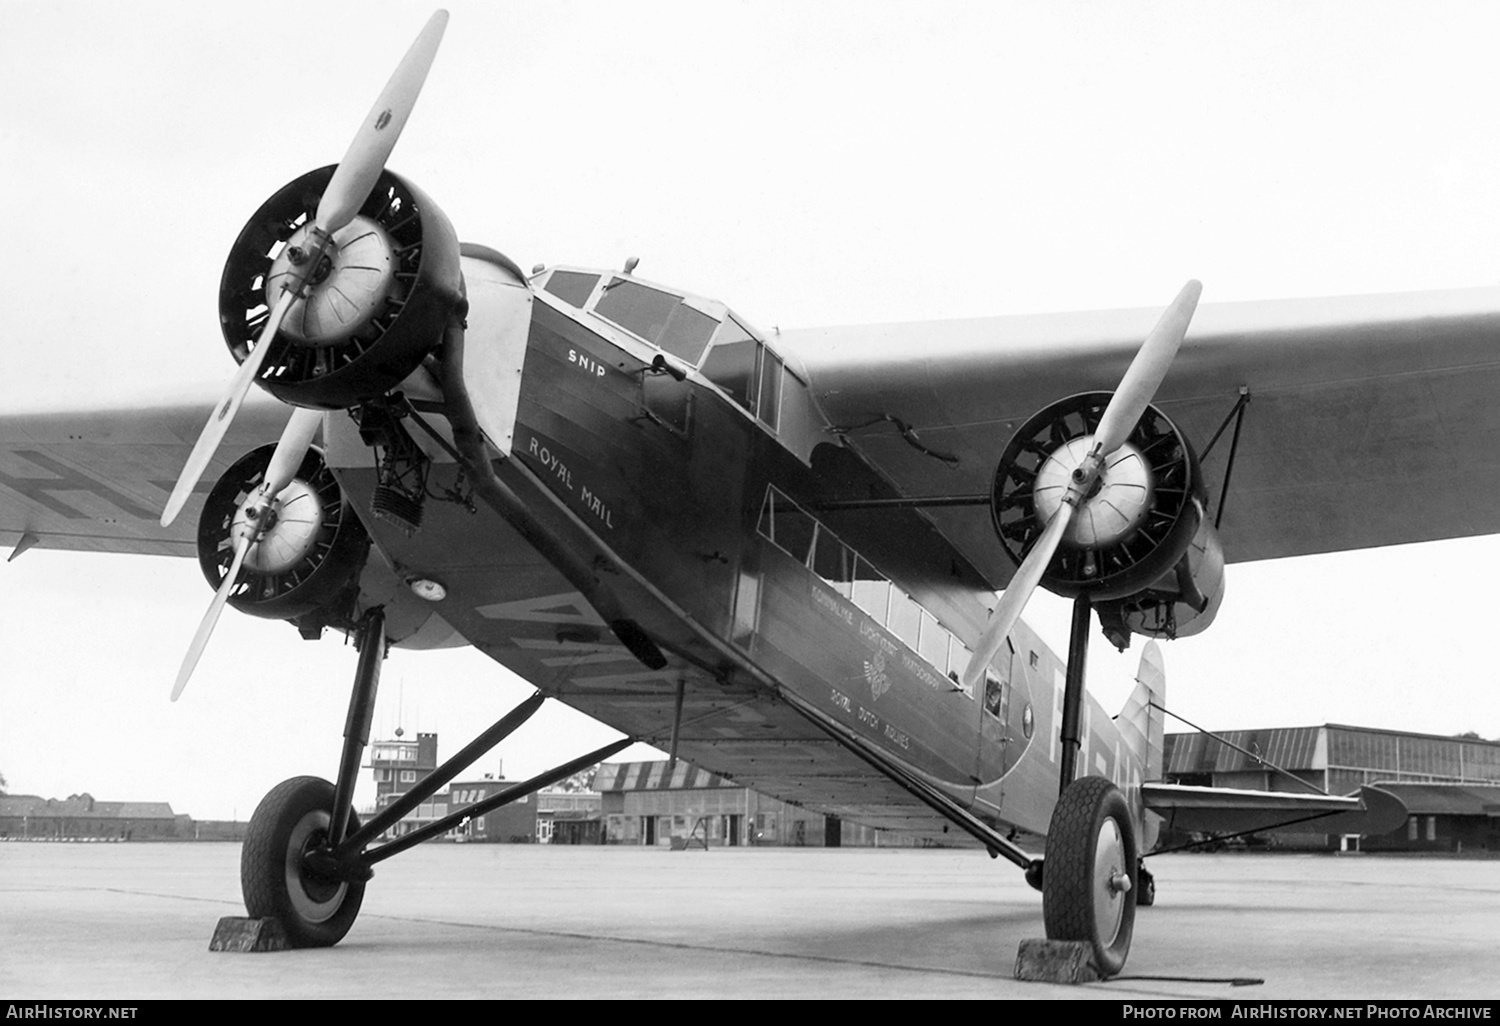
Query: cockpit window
point(658, 317)
point(572, 287)
point(732, 368)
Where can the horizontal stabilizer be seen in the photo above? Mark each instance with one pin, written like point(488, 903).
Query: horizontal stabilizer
point(1223, 810)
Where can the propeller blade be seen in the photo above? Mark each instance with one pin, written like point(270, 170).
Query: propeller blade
point(296, 438)
point(1013, 602)
point(1139, 385)
point(365, 159)
point(1137, 389)
point(218, 421)
point(206, 628)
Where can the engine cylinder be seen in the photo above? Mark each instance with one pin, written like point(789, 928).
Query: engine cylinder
point(378, 299)
point(307, 561)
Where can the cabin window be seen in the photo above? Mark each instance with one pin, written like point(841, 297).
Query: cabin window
point(994, 695)
point(790, 529)
point(834, 562)
point(872, 592)
point(813, 545)
point(932, 643)
point(572, 287)
point(905, 620)
point(658, 317)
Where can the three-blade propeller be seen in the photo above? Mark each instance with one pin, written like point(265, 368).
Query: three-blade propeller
point(1125, 409)
point(347, 191)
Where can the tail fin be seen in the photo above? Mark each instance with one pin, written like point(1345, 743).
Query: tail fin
point(1142, 727)
point(1141, 723)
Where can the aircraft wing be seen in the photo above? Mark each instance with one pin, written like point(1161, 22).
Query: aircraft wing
point(1370, 419)
point(1224, 810)
point(96, 479)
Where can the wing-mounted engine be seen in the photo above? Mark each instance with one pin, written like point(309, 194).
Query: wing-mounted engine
point(1138, 542)
point(379, 298)
point(306, 563)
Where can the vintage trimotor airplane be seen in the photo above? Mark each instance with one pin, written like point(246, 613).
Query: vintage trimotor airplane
point(774, 556)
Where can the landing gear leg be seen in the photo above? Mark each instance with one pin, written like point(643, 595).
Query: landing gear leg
point(1145, 894)
point(287, 871)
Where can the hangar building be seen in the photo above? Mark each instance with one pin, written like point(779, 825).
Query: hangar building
point(1451, 785)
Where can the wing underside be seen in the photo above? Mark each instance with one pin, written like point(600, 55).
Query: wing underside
point(1369, 419)
point(96, 480)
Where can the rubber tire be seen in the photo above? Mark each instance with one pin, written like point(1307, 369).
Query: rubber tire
point(292, 817)
point(1090, 810)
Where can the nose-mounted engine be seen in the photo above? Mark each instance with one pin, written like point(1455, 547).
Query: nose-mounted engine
point(377, 299)
point(1139, 543)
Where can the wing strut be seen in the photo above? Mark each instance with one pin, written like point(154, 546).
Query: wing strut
point(995, 842)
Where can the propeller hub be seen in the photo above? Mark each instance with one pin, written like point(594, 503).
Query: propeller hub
point(347, 286)
point(1109, 507)
point(288, 526)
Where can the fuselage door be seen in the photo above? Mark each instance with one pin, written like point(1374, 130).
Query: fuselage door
point(994, 714)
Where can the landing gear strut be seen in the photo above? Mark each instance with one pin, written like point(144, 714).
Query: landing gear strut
point(307, 858)
point(1090, 879)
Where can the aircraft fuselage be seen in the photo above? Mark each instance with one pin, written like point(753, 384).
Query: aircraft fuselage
point(690, 511)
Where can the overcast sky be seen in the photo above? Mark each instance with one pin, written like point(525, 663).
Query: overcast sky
point(808, 164)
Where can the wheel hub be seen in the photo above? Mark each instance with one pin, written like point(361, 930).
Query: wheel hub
point(314, 898)
point(1111, 880)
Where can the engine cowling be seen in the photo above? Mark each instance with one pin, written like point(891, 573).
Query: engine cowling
point(384, 292)
point(1140, 544)
point(307, 563)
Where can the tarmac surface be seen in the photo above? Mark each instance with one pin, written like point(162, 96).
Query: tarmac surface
point(123, 921)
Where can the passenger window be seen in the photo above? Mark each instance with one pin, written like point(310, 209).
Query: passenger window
point(994, 694)
point(790, 529)
point(906, 618)
point(933, 644)
point(872, 592)
point(833, 562)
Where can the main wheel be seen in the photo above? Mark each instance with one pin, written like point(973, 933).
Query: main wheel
point(292, 820)
point(1089, 885)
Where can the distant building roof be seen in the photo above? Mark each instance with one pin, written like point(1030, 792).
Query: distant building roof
point(82, 805)
point(19, 804)
point(653, 776)
point(1401, 753)
point(1446, 799)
